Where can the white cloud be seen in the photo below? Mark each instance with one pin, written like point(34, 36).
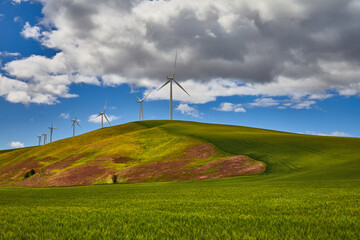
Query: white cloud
point(86, 79)
point(17, 19)
point(185, 109)
point(16, 144)
point(243, 47)
point(64, 115)
point(230, 107)
point(95, 119)
point(18, 1)
point(2, 16)
point(113, 80)
point(334, 134)
point(30, 32)
point(340, 134)
point(264, 102)
point(9, 54)
point(304, 105)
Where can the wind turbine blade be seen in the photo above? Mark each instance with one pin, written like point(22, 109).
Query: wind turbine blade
point(98, 115)
point(105, 105)
point(181, 87)
point(164, 85)
point(173, 75)
point(107, 119)
point(78, 124)
point(146, 96)
point(137, 97)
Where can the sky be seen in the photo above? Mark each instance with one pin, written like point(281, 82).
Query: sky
point(291, 66)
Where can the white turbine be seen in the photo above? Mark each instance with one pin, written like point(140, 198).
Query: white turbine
point(171, 80)
point(45, 134)
point(141, 109)
point(102, 115)
point(73, 124)
point(51, 131)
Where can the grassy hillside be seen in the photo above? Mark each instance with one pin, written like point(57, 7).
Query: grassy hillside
point(294, 156)
point(151, 151)
point(309, 190)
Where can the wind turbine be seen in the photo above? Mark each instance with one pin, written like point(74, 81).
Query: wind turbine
point(73, 125)
point(102, 115)
point(141, 106)
point(45, 134)
point(51, 131)
point(39, 139)
point(171, 80)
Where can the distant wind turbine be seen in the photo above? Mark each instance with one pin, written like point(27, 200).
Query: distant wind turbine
point(51, 131)
point(45, 134)
point(102, 115)
point(39, 139)
point(141, 109)
point(73, 125)
point(171, 80)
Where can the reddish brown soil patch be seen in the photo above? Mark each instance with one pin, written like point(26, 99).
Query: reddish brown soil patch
point(182, 170)
point(66, 162)
point(84, 175)
point(17, 170)
point(201, 151)
point(114, 159)
point(121, 159)
point(165, 171)
point(229, 167)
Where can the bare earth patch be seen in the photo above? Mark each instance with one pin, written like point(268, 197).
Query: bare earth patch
point(182, 170)
point(201, 151)
point(17, 170)
point(85, 175)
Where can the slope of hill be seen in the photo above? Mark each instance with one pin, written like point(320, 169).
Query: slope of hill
point(151, 151)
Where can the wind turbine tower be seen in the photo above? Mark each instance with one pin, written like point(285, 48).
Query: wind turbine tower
point(102, 115)
point(141, 110)
point(73, 125)
point(171, 80)
point(39, 139)
point(45, 134)
point(51, 131)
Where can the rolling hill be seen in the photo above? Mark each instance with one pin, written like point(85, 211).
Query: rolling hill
point(158, 151)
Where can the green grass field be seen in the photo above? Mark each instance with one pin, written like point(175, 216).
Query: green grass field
point(310, 190)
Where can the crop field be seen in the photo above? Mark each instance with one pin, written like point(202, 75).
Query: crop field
point(310, 188)
point(210, 209)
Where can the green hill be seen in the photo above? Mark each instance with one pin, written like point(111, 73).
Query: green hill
point(150, 151)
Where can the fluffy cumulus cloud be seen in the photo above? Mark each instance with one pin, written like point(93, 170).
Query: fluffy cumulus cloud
point(30, 31)
point(94, 118)
point(185, 109)
point(230, 107)
point(16, 144)
point(294, 49)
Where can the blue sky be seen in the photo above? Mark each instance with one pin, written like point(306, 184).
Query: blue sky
point(59, 58)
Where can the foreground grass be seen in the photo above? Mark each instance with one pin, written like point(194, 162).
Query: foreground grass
point(240, 207)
